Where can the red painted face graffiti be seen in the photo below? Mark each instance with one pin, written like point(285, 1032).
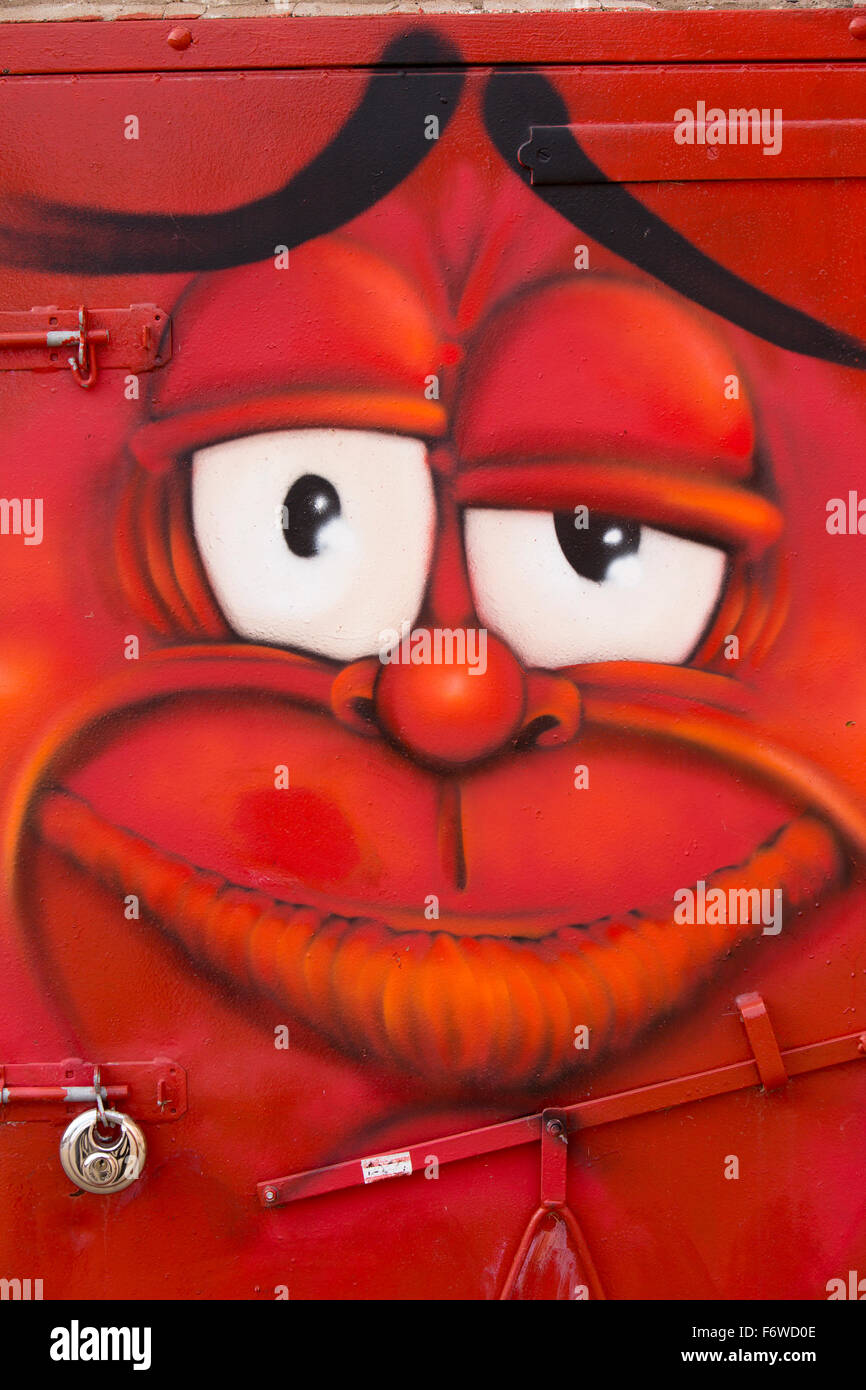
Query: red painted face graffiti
point(446, 659)
point(423, 858)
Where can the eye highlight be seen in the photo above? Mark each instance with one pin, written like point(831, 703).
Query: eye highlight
point(565, 588)
point(315, 539)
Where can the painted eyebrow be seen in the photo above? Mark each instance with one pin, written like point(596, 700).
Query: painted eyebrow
point(378, 146)
point(59, 236)
point(610, 214)
point(739, 518)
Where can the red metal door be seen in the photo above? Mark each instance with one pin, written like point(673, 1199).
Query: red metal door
point(432, 680)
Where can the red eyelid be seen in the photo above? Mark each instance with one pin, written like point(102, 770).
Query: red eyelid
point(736, 517)
point(160, 444)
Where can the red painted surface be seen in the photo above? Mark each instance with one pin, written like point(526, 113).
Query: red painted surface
point(308, 905)
point(332, 41)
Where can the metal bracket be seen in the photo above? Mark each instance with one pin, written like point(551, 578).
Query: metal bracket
point(762, 1040)
point(554, 1158)
point(137, 339)
point(156, 1091)
point(553, 1203)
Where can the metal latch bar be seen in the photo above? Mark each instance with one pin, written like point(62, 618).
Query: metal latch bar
point(136, 340)
point(70, 1095)
point(608, 1109)
point(155, 1090)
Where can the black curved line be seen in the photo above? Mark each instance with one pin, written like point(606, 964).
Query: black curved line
point(614, 217)
point(380, 144)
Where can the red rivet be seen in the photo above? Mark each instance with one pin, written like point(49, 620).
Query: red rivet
point(180, 38)
point(857, 27)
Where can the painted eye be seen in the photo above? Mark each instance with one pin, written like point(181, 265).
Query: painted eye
point(562, 593)
point(317, 539)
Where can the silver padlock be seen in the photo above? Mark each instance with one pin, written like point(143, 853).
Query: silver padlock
point(100, 1162)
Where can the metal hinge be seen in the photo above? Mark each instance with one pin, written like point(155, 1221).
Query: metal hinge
point(84, 341)
point(155, 1090)
point(646, 152)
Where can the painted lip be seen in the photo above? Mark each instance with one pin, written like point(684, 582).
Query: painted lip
point(458, 1010)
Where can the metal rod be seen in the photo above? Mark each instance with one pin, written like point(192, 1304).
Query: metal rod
point(642, 1100)
point(68, 1094)
point(59, 337)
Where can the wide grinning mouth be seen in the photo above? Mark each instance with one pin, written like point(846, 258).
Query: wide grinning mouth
point(458, 1010)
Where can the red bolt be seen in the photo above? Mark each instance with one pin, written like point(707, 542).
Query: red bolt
point(180, 38)
point(857, 27)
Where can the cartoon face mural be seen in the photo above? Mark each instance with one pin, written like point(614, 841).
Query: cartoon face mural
point(448, 661)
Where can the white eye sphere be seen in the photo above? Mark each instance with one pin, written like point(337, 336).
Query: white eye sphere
point(316, 539)
point(614, 590)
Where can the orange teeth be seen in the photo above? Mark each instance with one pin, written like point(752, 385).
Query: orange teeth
point(459, 1011)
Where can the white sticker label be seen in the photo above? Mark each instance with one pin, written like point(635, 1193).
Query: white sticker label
point(386, 1166)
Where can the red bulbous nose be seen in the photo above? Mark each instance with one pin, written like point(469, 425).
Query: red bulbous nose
point(451, 711)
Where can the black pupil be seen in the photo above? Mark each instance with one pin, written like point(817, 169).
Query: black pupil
point(309, 504)
point(591, 548)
